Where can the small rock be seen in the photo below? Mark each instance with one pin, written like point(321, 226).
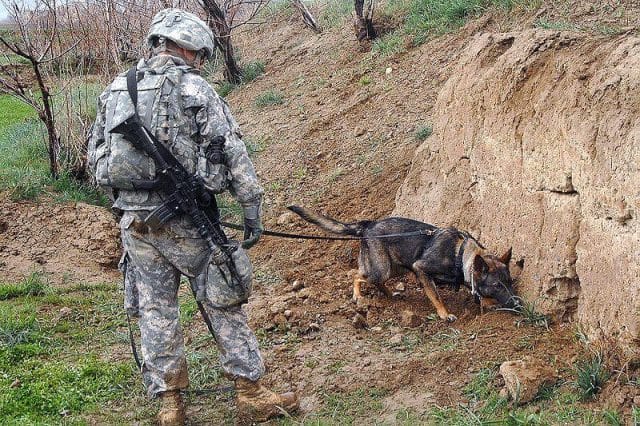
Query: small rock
point(410, 319)
point(359, 321)
point(400, 287)
point(288, 313)
point(297, 285)
point(65, 413)
point(65, 312)
point(376, 328)
point(359, 131)
point(314, 326)
point(388, 71)
point(523, 378)
point(285, 218)
point(396, 339)
point(16, 383)
point(303, 294)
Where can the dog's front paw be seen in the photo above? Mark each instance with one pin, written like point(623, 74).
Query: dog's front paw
point(450, 318)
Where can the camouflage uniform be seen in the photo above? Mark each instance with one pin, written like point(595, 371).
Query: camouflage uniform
point(186, 117)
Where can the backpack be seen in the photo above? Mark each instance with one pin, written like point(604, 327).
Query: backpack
point(118, 164)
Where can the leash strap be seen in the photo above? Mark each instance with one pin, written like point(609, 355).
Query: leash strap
point(319, 237)
point(134, 349)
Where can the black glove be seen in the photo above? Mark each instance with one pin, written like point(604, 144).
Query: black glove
point(252, 232)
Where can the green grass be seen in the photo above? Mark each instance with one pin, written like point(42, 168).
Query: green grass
point(33, 285)
point(12, 111)
point(335, 12)
point(269, 98)
point(250, 72)
point(485, 407)
point(56, 366)
point(345, 408)
point(531, 316)
point(423, 132)
point(24, 161)
point(591, 375)
point(388, 45)
point(424, 19)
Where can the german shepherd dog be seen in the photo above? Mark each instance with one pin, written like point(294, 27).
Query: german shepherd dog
point(437, 256)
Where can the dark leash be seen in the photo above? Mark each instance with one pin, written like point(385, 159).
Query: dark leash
point(320, 237)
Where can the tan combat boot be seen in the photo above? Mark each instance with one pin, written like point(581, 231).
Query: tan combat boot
point(171, 409)
point(256, 403)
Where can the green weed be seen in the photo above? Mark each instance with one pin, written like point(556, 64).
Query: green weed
point(256, 145)
point(223, 89)
point(591, 375)
point(252, 70)
point(423, 132)
point(33, 285)
point(555, 25)
point(269, 98)
point(365, 80)
point(388, 45)
point(531, 316)
point(188, 308)
point(345, 408)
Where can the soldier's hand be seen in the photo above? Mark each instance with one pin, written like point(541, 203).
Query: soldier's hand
point(252, 232)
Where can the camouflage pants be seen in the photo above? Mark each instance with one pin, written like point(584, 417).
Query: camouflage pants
point(155, 262)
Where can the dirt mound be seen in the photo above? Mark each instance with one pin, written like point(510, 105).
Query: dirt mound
point(67, 242)
point(535, 145)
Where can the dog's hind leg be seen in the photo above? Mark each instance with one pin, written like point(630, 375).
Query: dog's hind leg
point(358, 280)
point(434, 297)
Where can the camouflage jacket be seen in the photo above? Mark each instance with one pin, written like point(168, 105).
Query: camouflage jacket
point(186, 120)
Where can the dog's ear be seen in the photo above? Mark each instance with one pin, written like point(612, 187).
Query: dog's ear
point(479, 265)
point(506, 258)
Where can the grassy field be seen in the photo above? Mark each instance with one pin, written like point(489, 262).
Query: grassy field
point(65, 357)
point(24, 163)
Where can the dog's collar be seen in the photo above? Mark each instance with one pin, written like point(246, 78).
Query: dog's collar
point(466, 265)
point(458, 265)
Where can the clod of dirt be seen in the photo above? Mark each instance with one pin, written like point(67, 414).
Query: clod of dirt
point(524, 378)
point(359, 321)
point(410, 319)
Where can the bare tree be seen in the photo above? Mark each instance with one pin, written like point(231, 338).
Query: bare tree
point(223, 18)
point(222, 33)
point(35, 38)
point(363, 20)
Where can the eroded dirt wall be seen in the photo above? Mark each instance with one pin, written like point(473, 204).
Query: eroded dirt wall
point(536, 145)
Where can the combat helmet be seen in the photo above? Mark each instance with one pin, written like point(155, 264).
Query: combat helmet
point(183, 28)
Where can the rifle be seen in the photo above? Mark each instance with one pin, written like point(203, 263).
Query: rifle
point(186, 192)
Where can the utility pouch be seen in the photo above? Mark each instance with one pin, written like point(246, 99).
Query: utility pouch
point(131, 296)
point(212, 167)
point(220, 287)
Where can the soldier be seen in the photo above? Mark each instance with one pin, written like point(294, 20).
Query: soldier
point(187, 116)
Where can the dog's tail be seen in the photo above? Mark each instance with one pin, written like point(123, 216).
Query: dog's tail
point(326, 223)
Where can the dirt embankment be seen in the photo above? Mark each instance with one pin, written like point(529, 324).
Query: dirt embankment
point(70, 243)
point(536, 145)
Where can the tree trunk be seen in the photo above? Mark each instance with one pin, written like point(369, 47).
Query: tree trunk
point(46, 115)
point(363, 21)
point(307, 17)
point(222, 34)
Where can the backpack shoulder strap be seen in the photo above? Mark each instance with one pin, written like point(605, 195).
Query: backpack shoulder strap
point(132, 87)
